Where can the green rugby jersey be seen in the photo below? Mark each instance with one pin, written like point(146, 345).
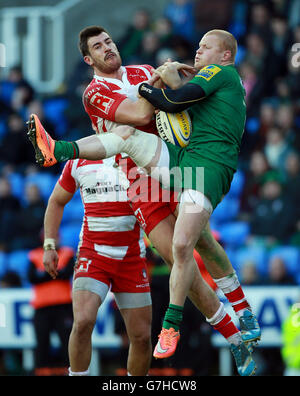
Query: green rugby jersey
point(219, 119)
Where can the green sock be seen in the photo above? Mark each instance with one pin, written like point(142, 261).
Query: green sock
point(64, 151)
point(173, 317)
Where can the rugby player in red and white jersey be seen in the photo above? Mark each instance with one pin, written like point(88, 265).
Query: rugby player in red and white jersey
point(111, 254)
point(111, 99)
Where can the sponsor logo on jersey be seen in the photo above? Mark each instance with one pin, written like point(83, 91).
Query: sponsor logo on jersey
point(102, 102)
point(208, 72)
point(143, 285)
point(140, 218)
point(83, 265)
point(104, 189)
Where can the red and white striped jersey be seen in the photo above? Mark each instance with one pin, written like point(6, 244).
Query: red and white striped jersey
point(109, 227)
point(101, 99)
point(103, 95)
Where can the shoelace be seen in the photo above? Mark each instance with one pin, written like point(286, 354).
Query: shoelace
point(169, 335)
point(249, 322)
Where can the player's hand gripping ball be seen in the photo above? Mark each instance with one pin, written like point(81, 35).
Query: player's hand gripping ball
point(174, 128)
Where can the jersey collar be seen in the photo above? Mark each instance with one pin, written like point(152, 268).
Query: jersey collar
point(113, 80)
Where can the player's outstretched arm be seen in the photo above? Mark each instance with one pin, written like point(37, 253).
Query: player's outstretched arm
point(172, 100)
point(137, 113)
point(52, 220)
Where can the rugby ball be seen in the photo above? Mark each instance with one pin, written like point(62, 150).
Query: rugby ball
point(174, 128)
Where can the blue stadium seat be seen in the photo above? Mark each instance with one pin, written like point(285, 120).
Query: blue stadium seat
point(231, 253)
point(227, 210)
point(69, 235)
point(237, 184)
point(291, 257)
point(18, 261)
point(257, 255)
point(73, 212)
point(252, 125)
point(17, 185)
point(3, 264)
point(241, 50)
point(54, 111)
point(6, 90)
point(234, 234)
point(3, 129)
point(45, 182)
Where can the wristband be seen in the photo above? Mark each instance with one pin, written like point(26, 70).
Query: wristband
point(49, 244)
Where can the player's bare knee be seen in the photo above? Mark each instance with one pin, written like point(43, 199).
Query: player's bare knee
point(140, 339)
point(182, 248)
point(83, 325)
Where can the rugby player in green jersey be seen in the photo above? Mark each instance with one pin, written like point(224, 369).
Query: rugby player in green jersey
point(215, 98)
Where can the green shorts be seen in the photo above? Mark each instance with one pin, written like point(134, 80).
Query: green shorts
point(190, 170)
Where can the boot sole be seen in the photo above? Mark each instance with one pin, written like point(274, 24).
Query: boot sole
point(32, 137)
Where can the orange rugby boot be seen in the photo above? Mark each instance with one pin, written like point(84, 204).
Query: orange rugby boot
point(167, 343)
point(42, 142)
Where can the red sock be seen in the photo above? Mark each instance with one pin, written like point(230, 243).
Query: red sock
point(232, 289)
point(226, 327)
point(237, 299)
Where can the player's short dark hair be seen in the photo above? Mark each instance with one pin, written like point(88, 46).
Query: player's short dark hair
point(85, 34)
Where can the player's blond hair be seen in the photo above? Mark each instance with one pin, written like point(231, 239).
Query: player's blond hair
point(227, 41)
